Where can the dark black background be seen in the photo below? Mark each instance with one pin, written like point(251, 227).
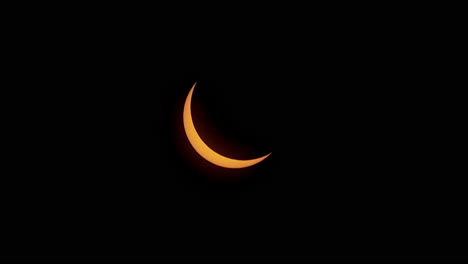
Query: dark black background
point(101, 166)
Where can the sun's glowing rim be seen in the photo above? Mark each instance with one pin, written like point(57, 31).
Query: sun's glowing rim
point(206, 152)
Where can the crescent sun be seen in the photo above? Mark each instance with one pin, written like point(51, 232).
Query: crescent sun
point(206, 152)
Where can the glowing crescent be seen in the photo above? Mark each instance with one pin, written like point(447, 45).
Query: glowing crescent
point(205, 151)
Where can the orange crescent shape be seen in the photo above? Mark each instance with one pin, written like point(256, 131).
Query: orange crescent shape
point(206, 152)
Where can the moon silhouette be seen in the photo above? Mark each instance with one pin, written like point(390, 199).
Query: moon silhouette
point(206, 152)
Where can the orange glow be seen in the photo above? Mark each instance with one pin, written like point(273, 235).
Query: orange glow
point(205, 151)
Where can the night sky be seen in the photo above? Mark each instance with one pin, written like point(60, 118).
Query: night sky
point(101, 167)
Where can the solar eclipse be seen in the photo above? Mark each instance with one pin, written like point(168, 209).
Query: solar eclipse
point(203, 149)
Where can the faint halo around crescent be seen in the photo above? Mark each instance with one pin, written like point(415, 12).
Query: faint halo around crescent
point(206, 152)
